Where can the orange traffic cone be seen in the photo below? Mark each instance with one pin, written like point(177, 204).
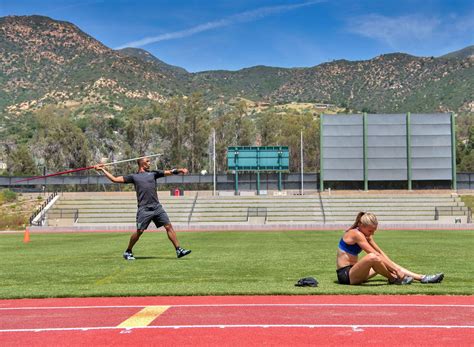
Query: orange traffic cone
point(26, 236)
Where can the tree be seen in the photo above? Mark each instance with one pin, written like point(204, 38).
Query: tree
point(100, 135)
point(172, 131)
point(138, 131)
point(290, 135)
point(268, 125)
point(233, 128)
point(20, 162)
point(59, 141)
point(196, 132)
point(284, 129)
point(467, 162)
point(465, 153)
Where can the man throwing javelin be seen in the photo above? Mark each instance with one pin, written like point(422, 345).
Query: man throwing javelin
point(149, 207)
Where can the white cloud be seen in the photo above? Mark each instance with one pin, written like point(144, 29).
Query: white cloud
point(242, 17)
point(395, 31)
point(417, 34)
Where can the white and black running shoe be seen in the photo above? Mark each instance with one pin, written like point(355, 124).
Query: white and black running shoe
point(437, 278)
point(181, 252)
point(128, 256)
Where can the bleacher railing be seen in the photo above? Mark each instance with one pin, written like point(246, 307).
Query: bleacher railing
point(62, 213)
point(192, 208)
point(257, 212)
point(40, 210)
point(453, 211)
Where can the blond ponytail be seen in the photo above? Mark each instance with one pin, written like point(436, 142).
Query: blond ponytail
point(366, 219)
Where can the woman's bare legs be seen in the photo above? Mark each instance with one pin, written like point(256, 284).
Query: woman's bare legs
point(436, 278)
point(407, 272)
point(367, 267)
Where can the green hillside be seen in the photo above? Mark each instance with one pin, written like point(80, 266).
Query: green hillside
point(45, 61)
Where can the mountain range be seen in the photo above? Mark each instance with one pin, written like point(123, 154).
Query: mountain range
point(45, 61)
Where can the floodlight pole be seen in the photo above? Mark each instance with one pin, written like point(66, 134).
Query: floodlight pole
point(236, 159)
point(364, 150)
point(258, 170)
point(302, 163)
point(279, 170)
point(214, 161)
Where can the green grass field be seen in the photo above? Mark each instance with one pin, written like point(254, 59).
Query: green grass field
point(222, 263)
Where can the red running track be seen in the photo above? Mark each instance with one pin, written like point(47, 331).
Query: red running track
point(241, 321)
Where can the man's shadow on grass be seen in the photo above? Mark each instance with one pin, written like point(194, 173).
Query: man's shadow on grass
point(149, 258)
point(160, 257)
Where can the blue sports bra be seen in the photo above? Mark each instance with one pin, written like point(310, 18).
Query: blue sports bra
point(351, 249)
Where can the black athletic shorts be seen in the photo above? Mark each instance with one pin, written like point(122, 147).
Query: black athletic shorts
point(155, 213)
point(343, 274)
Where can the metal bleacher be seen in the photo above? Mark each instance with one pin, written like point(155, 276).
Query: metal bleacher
point(119, 209)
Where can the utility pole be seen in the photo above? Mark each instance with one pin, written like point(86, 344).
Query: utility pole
point(302, 163)
point(214, 161)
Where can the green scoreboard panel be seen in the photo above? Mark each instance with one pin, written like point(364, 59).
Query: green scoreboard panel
point(265, 158)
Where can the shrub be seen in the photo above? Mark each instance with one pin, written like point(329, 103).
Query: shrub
point(12, 221)
point(7, 196)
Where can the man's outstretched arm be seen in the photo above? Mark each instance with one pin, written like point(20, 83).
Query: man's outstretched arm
point(176, 172)
point(101, 167)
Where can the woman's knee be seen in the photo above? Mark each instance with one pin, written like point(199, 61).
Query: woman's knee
point(373, 258)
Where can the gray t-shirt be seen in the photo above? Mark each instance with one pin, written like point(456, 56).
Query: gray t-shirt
point(145, 186)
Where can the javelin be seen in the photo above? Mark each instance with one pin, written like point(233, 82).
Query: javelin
point(85, 168)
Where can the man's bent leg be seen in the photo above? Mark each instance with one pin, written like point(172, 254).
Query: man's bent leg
point(180, 252)
point(133, 239)
point(128, 255)
point(172, 235)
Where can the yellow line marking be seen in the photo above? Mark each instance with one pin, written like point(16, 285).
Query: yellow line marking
point(143, 317)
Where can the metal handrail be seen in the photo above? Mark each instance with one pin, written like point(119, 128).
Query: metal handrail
point(322, 207)
point(450, 211)
point(192, 208)
point(257, 212)
point(66, 212)
point(40, 210)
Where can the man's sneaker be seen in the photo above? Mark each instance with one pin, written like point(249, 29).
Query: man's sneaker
point(401, 281)
point(181, 252)
point(128, 256)
point(432, 278)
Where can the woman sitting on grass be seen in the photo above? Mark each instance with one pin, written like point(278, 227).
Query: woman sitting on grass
point(358, 238)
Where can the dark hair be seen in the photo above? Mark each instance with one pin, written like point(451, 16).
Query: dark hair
point(140, 161)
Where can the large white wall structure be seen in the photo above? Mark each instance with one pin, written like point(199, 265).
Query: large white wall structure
point(388, 147)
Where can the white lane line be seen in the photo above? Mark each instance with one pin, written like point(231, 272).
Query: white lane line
point(233, 305)
point(249, 326)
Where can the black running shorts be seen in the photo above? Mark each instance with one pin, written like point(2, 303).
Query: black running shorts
point(155, 213)
point(343, 274)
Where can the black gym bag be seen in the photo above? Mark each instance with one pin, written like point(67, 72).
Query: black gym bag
point(307, 282)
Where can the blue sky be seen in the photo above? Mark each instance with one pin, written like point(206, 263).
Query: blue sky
point(229, 34)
